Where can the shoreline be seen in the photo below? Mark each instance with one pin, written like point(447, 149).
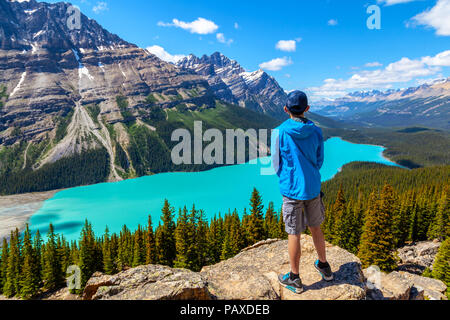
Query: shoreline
point(375, 145)
point(16, 210)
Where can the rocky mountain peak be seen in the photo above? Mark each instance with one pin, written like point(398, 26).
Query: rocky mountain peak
point(232, 83)
point(27, 25)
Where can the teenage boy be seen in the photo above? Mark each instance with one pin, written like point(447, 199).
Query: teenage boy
point(298, 155)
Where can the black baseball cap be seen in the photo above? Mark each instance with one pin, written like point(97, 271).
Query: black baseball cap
point(297, 102)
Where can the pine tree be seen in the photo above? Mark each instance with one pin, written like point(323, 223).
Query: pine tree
point(414, 225)
point(108, 258)
point(150, 245)
point(255, 223)
point(377, 240)
point(4, 264)
point(63, 252)
point(88, 255)
point(125, 249)
point(13, 270)
point(138, 248)
point(357, 225)
point(440, 228)
point(37, 244)
point(166, 241)
point(29, 279)
point(182, 239)
point(200, 242)
point(401, 221)
point(441, 267)
point(281, 228)
point(233, 239)
point(51, 270)
point(214, 240)
point(270, 222)
point(340, 217)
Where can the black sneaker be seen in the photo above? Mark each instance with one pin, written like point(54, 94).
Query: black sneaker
point(295, 286)
point(326, 272)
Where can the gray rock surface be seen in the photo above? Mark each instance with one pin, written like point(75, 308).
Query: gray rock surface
point(418, 256)
point(433, 289)
point(391, 286)
point(400, 285)
point(151, 282)
point(251, 275)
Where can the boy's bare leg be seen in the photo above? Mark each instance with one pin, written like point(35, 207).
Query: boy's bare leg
point(319, 243)
point(295, 252)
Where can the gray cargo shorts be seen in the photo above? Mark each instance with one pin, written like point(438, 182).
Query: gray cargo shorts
point(298, 214)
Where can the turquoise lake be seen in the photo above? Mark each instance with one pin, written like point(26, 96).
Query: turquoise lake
point(216, 191)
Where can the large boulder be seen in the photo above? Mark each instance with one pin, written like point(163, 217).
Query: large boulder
point(253, 273)
point(387, 286)
point(151, 282)
point(400, 285)
point(433, 289)
point(416, 257)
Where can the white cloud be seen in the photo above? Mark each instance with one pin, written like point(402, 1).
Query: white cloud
point(286, 45)
point(373, 64)
point(100, 7)
point(332, 22)
point(236, 25)
point(401, 71)
point(221, 38)
point(276, 64)
point(164, 55)
point(199, 26)
point(440, 60)
point(437, 17)
point(392, 2)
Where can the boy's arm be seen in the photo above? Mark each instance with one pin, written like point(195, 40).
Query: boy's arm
point(320, 150)
point(275, 151)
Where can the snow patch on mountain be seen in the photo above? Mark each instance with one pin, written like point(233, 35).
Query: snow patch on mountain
point(22, 79)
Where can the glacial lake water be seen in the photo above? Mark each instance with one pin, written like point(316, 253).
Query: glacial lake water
point(216, 191)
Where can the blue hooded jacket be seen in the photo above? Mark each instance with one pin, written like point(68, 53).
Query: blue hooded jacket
point(297, 157)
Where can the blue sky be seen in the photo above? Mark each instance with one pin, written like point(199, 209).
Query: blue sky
point(326, 47)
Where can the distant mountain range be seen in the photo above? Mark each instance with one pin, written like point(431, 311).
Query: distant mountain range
point(257, 90)
point(425, 105)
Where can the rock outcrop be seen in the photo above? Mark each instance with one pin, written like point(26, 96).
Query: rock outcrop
point(151, 282)
point(433, 289)
point(400, 285)
point(251, 275)
point(415, 258)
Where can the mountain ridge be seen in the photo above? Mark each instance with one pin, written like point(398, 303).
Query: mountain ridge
point(425, 105)
point(232, 83)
